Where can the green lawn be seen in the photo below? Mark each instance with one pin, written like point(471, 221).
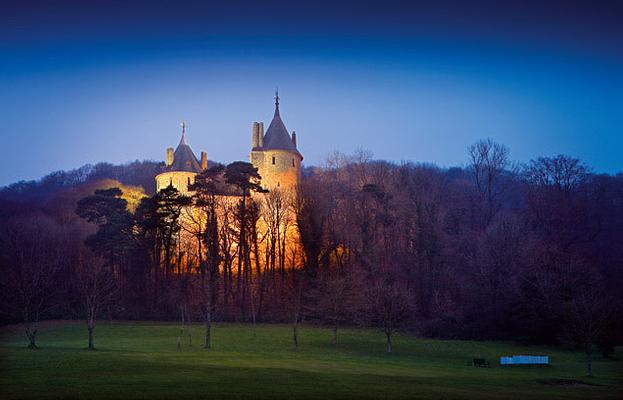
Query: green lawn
point(141, 360)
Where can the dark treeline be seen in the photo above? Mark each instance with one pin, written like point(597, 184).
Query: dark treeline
point(529, 252)
point(137, 173)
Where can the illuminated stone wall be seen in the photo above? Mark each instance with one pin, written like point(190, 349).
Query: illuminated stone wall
point(179, 179)
point(278, 168)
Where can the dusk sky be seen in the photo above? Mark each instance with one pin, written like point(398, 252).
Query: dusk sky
point(82, 83)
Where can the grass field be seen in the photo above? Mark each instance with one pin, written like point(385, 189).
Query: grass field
point(141, 360)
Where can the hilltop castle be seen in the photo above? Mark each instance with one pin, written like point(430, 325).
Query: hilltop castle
point(274, 154)
point(276, 234)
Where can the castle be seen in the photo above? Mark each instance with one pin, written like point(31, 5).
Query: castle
point(273, 153)
point(277, 239)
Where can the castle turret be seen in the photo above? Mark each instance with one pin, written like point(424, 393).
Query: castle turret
point(181, 166)
point(276, 156)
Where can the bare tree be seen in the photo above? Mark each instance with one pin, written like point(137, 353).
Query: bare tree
point(97, 288)
point(338, 298)
point(488, 161)
point(277, 215)
point(586, 316)
point(294, 301)
point(559, 203)
point(227, 240)
point(561, 172)
point(314, 204)
point(35, 251)
point(389, 307)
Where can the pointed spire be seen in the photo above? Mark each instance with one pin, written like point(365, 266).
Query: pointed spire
point(277, 101)
point(183, 140)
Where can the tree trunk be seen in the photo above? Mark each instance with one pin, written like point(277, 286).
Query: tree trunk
point(208, 321)
point(208, 297)
point(589, 359)
point(259, 277)
point(32, 335)
point(282, 259)
point(180, 335)
point(241, 255)
point(296, 333)
point(91, 326)
point(226, 283)
point(334, 335)
point(208, 343)
point(91, 346)
point(252, 298)
point(30, 327)
point(389, 342)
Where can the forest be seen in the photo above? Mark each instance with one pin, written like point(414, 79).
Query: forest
point(495, 249)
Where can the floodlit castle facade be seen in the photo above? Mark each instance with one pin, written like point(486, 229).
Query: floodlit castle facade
point(274, 154)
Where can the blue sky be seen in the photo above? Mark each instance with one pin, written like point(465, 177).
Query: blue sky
point(406, 80)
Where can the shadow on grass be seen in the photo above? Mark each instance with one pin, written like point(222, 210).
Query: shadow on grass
point(566, 382)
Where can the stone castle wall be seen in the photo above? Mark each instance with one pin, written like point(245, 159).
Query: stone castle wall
point(278, 168)
point(180, 180)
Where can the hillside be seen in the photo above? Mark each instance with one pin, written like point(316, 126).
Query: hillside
point(136, 173)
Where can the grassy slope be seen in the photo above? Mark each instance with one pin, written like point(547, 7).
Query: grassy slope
point(141, 361)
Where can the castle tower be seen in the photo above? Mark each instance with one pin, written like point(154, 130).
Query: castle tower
point(181, 166)
point(274, 154)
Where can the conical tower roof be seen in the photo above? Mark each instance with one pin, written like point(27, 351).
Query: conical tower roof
point(277, 136)
point(184, 159)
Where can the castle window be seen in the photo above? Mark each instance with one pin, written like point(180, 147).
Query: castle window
point(188, 181)
point(273, 160)
point(293, 162)
point(278, 184)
